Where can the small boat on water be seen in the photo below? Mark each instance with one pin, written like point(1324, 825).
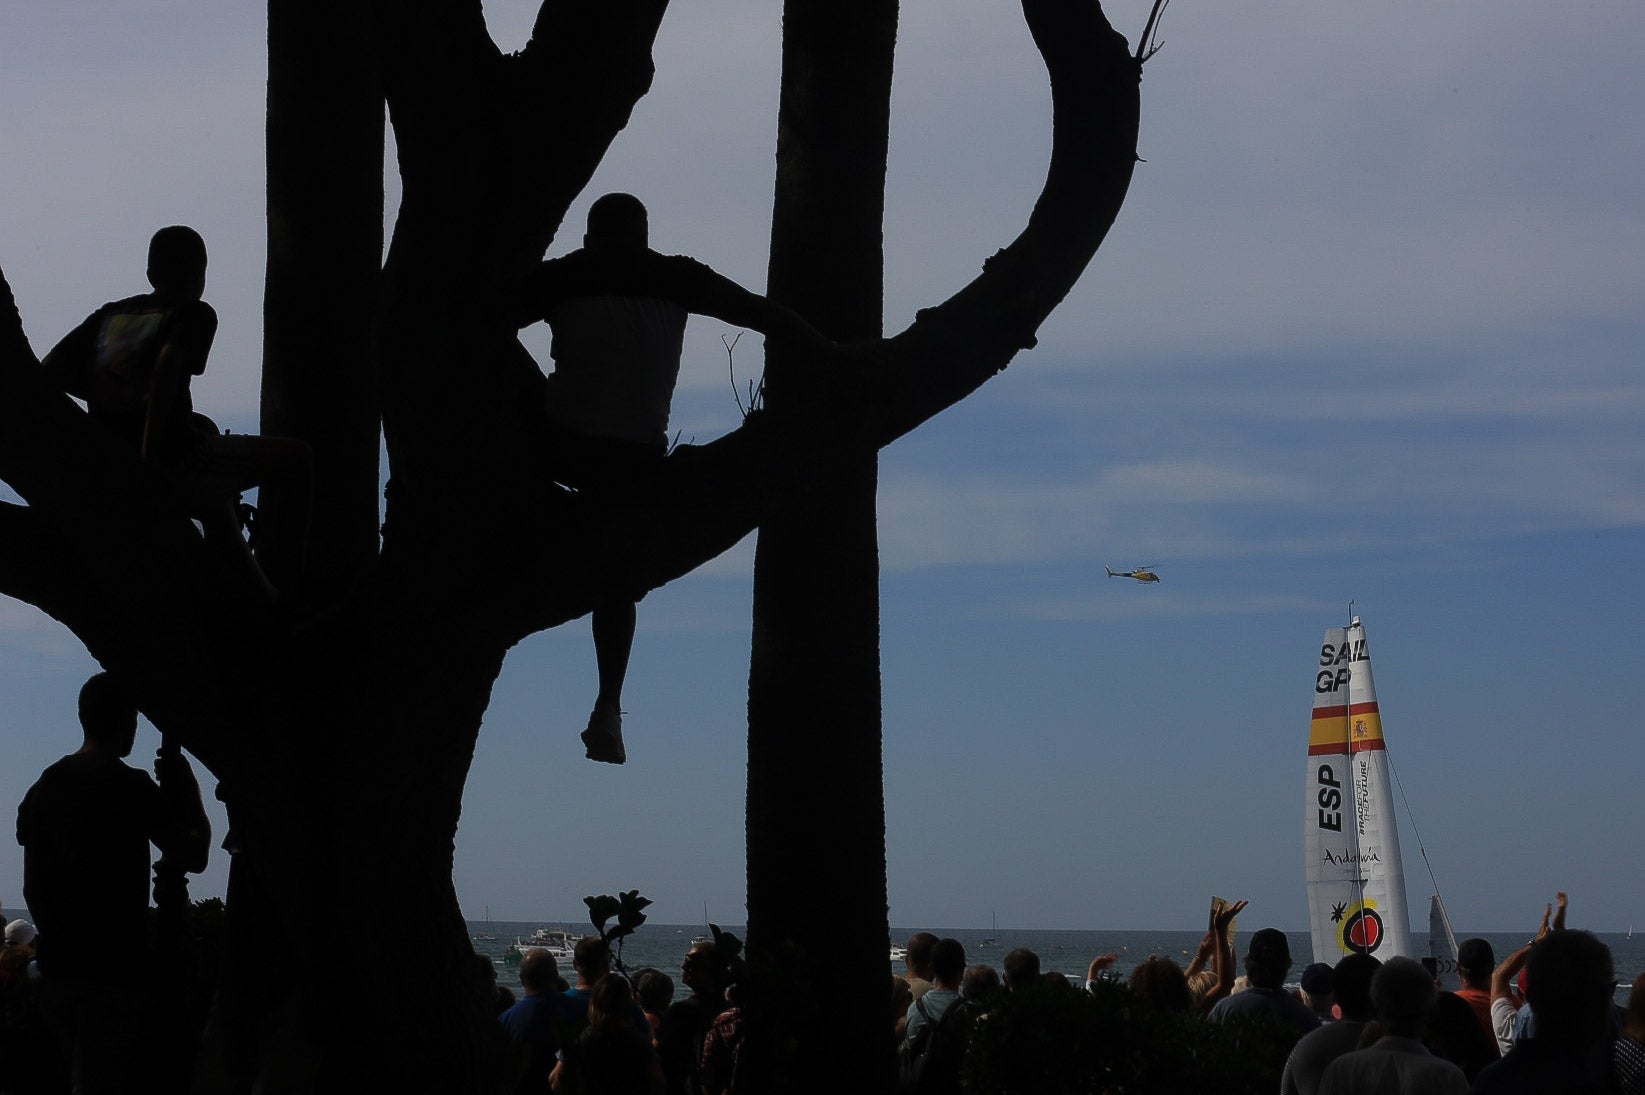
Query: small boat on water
point(993, 938)
point(490, 934)
point(556, 941)
point(899, 954)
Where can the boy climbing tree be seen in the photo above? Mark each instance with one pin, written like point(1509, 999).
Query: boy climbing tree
point(131, 362)
point(618, 312)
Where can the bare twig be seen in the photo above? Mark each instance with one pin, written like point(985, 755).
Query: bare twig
point(1148, 45)
point(756, 390)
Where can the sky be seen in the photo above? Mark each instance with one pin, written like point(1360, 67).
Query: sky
point(1367, 330)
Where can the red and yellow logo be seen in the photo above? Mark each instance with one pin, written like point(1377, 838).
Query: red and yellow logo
point(1359, 927)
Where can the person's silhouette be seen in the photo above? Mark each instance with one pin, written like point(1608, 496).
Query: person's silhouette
point(131, 362)
point(618, 311)
point(85, 827)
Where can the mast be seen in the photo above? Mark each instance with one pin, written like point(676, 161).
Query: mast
point(1356, 883)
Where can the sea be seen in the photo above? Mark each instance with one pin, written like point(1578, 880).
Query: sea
point(1066, 952)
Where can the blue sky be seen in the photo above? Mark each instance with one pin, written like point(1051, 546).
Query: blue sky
point(1368, 328)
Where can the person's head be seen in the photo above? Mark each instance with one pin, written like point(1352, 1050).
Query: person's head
point(1022, 968)
point(1351, 984)
point(591, 958)
point(177, 262)
point(485, 972)
point(980, 981)
point(1452, 1032)
point(1475, 963)
point(702, 970)
point(1158, 985)
point(611, 1004)
point(1318, 987)
point(1267, 959)
point(19, 944)
point(108, 715)
point(1569, 980)
point(654, 989)
point(617, 220)
point(539, 972)
point(948, 963)
point(1635, 1017)
point(1402, 995)
point(919, 954)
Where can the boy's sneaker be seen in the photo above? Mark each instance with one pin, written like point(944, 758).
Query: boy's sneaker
point(603, 739)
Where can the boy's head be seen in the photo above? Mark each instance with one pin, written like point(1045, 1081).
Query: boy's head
point(617, 220)
point(177, 261)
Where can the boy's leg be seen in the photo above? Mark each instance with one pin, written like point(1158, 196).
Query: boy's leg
point(613, 640)
point(223, 465)
point(222, 531)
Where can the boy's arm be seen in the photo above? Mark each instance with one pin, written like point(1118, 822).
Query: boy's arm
point(692, 285)
point(702, 290)
point(183, 355)
point(65, 364)
point(163, 399)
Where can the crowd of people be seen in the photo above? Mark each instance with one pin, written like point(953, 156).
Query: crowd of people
point(607, 1033)
point(1541, 1021)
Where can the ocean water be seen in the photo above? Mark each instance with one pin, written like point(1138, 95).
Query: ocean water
point(1066, 952)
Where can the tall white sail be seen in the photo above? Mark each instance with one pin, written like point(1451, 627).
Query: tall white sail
point(1356, 884)
point(1442, 945)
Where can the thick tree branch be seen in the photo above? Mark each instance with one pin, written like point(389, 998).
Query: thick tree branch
point(439, 68)
point(950, 350)
point(38, 567)
point(575, 86)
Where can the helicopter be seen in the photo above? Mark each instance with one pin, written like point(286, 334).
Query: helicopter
point(1142, 574)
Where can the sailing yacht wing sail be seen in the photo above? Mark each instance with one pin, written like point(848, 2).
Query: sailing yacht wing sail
point(1442, 945)
point(1356, 884)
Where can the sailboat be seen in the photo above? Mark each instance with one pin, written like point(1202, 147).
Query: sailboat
point(1356, 881)
point(1442, 945)
point(490, 934)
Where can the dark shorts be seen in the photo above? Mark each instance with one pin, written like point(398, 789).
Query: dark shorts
point(589, 463)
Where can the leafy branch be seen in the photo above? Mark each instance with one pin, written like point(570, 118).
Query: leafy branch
point(627, 908)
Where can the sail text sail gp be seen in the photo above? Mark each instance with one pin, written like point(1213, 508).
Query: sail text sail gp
point(1356, 885)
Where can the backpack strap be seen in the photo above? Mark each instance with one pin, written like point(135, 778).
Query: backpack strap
point(918, 1047)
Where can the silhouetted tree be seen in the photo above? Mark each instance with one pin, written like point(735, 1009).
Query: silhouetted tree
point(342, 743)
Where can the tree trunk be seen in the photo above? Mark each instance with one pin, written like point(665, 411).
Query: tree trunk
point(325, 256)
point(347, 965)
point(816, 813)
